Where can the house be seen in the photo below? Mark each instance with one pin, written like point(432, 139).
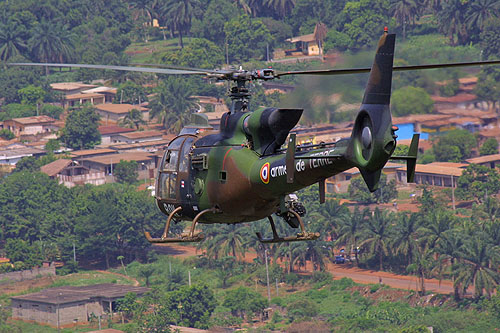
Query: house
point(69, 305)
point(305, 45)
point(11, 154)
point(71, 88)
point(70, 173)
point(108, 92)
point(136, 137)
point(149, 146)
point(84, 153)
point(340, 182)
point(105, 163)
point(440, 174)
point(81, 98)
point(31, 125)
point(116, 112)
point(108, 131)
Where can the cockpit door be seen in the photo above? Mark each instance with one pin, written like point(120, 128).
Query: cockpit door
point(173, 178)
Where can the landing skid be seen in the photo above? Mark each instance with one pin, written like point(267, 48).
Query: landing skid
point(190, 236)
point(301, 236)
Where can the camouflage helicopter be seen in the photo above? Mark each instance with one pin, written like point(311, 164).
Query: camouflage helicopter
point(242, 173)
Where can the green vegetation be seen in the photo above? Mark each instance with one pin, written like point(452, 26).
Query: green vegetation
point(126, 172)
point(80, 130)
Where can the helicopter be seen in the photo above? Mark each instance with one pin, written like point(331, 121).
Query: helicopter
point(244, 173)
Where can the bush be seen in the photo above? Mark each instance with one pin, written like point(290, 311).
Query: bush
point(342, 284)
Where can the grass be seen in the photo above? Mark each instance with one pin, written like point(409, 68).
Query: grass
point(141, 52)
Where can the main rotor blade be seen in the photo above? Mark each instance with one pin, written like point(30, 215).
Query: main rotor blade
point(396, 68)
point(123, 68)
point(212, 71)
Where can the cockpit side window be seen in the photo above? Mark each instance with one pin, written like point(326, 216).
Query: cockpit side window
point(171, 156)
point(184, 158)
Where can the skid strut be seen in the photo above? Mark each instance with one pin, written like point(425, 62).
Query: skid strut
point(301, 236)
point(190, 236)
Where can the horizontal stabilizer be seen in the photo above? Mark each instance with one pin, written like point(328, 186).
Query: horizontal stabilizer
point(411, 158)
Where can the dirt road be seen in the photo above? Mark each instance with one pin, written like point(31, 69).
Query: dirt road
point(358, 275)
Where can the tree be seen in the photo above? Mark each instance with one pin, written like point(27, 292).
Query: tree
point(128, 304)
point(359, 191)
point(480, 11)
point(488, 88)
point(405, 235)
point(146, 271)
point(80, 130)
point(51, 42)
point(411, 100)
point(27, 163)
point(455, 146)
point(172, 103)
point(377, 233)
point(216, 15)
point(281, 7)
point(11, 41)
point(404, 12)
point(126, 171)
point(475, 266)
point(489, 147)
point(32, 95)
point(247, 38)
point(6, 134)
point(477, 182)
point(52, 111)
point(131, 93)
point(180, 13)
point(490, 38)
point(194, 305)
point(350, 231)
point(132, 119)
point(243, 301)
point(224, 241)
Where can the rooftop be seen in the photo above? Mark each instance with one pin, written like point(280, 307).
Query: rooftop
point(79, 96)
point(484, 159)
point(55, 167)
point(141, 134)
point(113, 129)
point(34, 120)
point(87, 152)
point(71, 86)
point(153, 143)
point(100, 90)
point(437, 169)
point(303, 38)
point(115, 158)
point(460, 98)
point(69, 294)
point(414, 118)
point(119, 108)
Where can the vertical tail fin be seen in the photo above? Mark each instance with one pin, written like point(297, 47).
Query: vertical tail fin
point(378, 88)
point(373, 140)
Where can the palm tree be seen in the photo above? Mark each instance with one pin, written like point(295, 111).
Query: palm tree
point(172, 103)
point(405, 235)
point(437, 222)
point(132, 119)
point(226, 240)
point(480, 11)
point(476, 267)
point(404, 11)
point(421, 265)
point(451, 20)
point(377, 233)
point(51, 42)
point(350, 229)
point(180, 13)
point(142, 8)
point(11, 42)
point(448, 250)
point(281, 7)
point(332, 215)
